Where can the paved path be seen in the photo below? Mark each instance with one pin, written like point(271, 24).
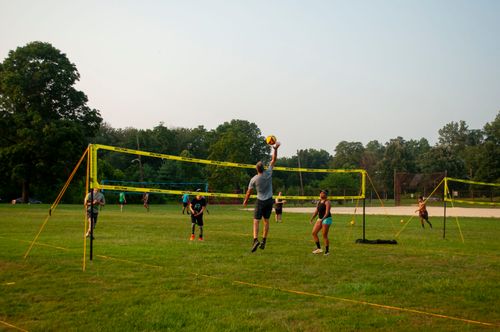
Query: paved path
point(408, 211)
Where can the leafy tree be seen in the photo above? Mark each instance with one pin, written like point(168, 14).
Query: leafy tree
point(488, 165)
point(442, 158)
point(371, 161)
point(341, 184)
point(46, 123)
point(348, 155)
point(454, 135)
point(396, 158)
point(236, 141)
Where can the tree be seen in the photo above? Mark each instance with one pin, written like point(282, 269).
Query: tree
point(488, 166)
point(454, 134)
point(348, 155)
point(46, 123)
point(457, 149)
point(397, 157)
point(440, 159)
point(236, 141)
point(371, 161)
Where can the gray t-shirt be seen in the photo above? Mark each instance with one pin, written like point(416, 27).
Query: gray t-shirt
point(263, 183)
point(99, 197)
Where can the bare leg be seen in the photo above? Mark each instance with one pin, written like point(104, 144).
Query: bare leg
point(315, 231)
point(266, 228)
point(324, 232)
point(256, 228)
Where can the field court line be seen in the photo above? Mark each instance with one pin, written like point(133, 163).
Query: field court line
point(305, 293)
point(368, 303)
point(12, 326)
point(131, 262)
point(37, 243)
point(242, 234)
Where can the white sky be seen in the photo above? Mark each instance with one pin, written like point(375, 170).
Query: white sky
point(313, 73)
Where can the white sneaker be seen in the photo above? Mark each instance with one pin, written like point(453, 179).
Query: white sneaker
point(317, 251)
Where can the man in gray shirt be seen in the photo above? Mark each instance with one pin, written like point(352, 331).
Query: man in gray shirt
point(263, 183)
point(93, 209)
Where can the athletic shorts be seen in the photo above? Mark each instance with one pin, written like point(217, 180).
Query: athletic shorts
point(94, 215)
point(122, 202)
point(327, 221)
point(424, 215)
point(278, 210)
point(184, 204)
point(198, 220)
point(263, 209)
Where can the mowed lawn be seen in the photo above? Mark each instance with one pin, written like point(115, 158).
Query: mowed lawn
point(147, 276)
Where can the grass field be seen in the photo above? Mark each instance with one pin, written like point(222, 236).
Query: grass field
point(147, 276)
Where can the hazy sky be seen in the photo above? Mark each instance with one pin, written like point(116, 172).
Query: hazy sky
point(313, 73)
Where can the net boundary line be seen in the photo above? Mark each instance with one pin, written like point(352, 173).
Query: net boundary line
point(359, 302)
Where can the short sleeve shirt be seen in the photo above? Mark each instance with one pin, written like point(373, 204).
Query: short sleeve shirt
point(185, 198)
point(198, 204)
point(263, 184)
point(99, 197)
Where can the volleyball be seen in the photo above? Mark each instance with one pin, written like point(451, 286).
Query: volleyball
point(271, 139)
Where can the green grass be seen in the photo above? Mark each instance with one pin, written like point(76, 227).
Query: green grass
point(147, 276)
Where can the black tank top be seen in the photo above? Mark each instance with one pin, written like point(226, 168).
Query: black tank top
point(322, 210)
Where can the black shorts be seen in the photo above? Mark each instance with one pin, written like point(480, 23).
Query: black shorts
point(424, 215)
point(94, 215)
point(184, 204)
point(279, 210)
point(198, 220)
point(263, 209)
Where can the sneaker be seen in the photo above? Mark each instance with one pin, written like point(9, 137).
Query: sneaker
point(192, 237)
point(200, 238)
point(327, 253)
point(317, 251)
point(255, 246)
point(262, 245)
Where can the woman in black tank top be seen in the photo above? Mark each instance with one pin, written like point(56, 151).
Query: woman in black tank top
point(323, 222)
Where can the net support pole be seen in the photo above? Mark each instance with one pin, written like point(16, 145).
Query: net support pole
point(444, 221)
point(364, 219)
point(92, 222)
point(445, 196)
point(93, 171)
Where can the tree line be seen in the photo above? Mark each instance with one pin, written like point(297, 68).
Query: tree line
point(46, 126)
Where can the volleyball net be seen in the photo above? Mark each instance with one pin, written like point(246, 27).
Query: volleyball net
point(471, 192)
point(355, 179)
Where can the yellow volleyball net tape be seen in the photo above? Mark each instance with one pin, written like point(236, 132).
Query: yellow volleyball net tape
point(448, 197)
point(95, 183)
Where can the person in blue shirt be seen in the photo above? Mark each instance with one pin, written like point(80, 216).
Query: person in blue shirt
point(185, 203)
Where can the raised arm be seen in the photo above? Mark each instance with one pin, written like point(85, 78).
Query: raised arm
point(275, 154)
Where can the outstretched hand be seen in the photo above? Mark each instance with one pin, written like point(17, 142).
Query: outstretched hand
point(277, 145)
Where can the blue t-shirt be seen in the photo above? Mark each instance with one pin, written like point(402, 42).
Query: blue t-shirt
point(263, 183)
point(185, 198)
